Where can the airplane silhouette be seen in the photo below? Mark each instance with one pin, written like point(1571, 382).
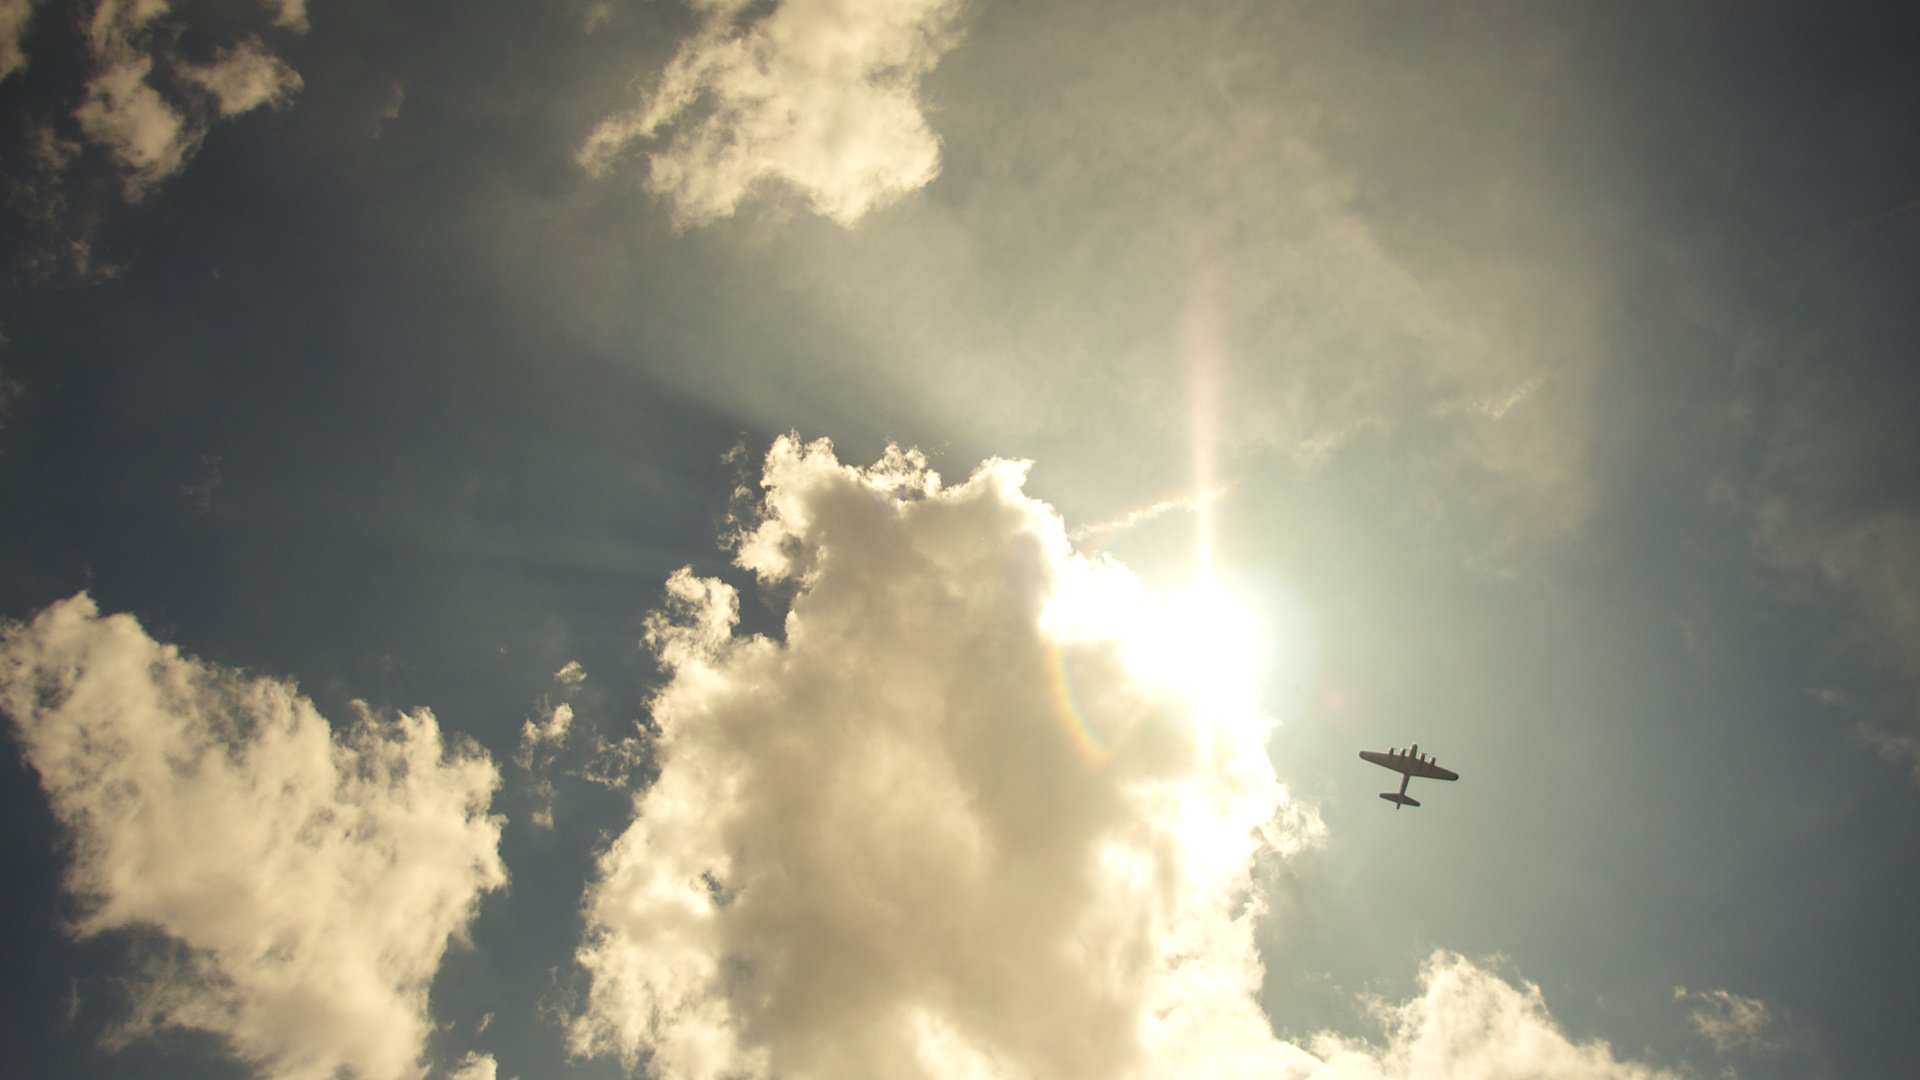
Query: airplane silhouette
point(1408, 764)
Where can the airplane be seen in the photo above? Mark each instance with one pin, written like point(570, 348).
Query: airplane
point(1409, 764)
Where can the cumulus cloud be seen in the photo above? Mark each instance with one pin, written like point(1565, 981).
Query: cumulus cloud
point(14, 17)
point(943, 827)
point(303, 884)
point(1468, 1023)
point(1730, 1022)
point(819, 95)
point(952, 823)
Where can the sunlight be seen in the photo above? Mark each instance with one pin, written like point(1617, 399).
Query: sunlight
point(1201, 643)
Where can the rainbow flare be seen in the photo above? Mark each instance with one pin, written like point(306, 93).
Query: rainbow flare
point(1066, 708)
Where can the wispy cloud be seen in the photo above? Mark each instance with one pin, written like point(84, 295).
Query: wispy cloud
point(1468, 1021)
point(306, 882)
point(818, 95)
point(475, 1067)
point(543, 735)
point(291, 14)
point(135, 50)
point(244, 78)
point(1493, 406)
point(1729, 1021)
point(147, 135)
point(1895, 747)
point(1830, 501)
point(15, 15)
point(1185, 504)
point(1181, 186)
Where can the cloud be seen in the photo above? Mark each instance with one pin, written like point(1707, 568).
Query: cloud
point(291, 14)
point(943, 826)
point(1866, 553)
point(542, 737)
point(1469, 1024)
point(1831, 500)
point(951, 823)
point(1184, 504)
point(1729, 1021)
point(475, 1067)
point(123, 113)
point(301, 885)
point(1896, 748)
point(1270, 219)
point(244, 78)
point(820, 95)
point(571, 675)
point(550, 731)
point(150, 137)
point(14, 17)
point(1492, 407)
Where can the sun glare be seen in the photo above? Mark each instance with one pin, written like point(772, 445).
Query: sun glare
point(1203, 644)
point(1199, 643)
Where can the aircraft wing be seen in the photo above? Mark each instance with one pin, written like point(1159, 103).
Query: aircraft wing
point(1391, 761)
point(1410, 765)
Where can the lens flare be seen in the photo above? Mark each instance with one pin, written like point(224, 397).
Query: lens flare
point(1198, 645)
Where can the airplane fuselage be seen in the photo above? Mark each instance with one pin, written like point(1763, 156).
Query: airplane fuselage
point(1409, 764)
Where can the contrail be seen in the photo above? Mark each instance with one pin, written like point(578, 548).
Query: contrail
point(1179, 504)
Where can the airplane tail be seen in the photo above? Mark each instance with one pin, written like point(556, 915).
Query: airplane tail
point(1399, 800)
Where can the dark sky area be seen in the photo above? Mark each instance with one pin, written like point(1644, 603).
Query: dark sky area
point(1541, 378)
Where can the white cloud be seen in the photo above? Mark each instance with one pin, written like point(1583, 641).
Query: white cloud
point(244, 78)
point(1493, 406)
point(123, 113)
point(1185, 504)
point(475, 1067)
point(148, 136)
point(1469, 1024)
point(946, 826)
point(1258, 237)
point(541, 738)
point(821, 95)
point(291, 14)
point(924, 835)
point(550, 731)
point(14, 17)
point(1730, 1022)
point(307, 882)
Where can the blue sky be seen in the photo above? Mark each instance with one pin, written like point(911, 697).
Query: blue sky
point(367, 367)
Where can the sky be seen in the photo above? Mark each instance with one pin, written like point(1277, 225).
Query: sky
point(700, 539)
